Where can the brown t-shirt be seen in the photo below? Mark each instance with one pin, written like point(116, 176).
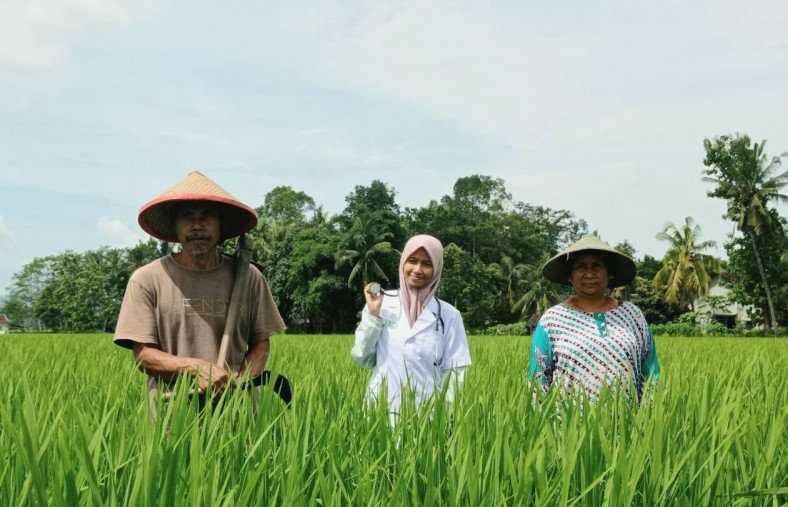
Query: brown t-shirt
point(182, 311)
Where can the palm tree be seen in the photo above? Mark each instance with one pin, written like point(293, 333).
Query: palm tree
point(368, 246)
point(511, 273)
point(748, 180)
point(540, 295)
point(265, 237)
point(686, 271)
point(623, 293)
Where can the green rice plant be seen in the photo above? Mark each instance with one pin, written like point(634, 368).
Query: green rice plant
point(74, 430)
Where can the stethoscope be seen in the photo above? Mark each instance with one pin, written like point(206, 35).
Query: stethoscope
point(375, 289)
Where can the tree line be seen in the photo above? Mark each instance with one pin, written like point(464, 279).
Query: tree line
point(317, 263)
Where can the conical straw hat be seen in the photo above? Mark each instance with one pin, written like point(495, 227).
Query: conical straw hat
point(157, 216)
point(620, 267)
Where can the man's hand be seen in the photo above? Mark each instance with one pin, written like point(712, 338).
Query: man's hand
point(154, 361)
point(209, 375)
point(374, 301)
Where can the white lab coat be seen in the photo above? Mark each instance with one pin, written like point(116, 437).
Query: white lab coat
point(422, 357)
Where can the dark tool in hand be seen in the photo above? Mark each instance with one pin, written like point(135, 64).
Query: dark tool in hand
point(242, 261)
point(281, 385)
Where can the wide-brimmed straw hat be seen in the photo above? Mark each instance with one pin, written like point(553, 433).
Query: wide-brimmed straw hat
point(620, 267)
point(157, 216)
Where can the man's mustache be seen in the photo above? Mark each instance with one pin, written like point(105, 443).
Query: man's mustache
point(193, 237)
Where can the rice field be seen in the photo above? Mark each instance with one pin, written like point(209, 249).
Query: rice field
point(74, 430)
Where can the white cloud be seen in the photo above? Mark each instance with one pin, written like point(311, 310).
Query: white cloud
point(117, 233)
point(40, 34)
point(537, 79)
point(596, 109)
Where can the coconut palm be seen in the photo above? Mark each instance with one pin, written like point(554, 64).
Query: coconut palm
point(748, 180)
point(686, 271)
point(512, 274)
point(540, 295)
point(369, 245)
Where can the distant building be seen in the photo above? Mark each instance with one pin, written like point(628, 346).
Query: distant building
point(5, 324)
point(717, 307)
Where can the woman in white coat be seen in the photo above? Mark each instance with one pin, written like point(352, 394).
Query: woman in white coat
point(411, 339)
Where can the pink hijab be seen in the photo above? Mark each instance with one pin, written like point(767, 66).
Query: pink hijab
point(414, 300)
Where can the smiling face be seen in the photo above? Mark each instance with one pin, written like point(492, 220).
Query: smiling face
point(418, 269)
point(198, 228)
point(589, 275)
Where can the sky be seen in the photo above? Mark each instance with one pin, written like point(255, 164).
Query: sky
point(598, 107)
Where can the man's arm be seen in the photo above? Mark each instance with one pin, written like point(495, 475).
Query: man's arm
point(256, 357)
point(155, 361)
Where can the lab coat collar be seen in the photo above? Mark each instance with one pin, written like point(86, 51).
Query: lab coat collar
point(425, 320)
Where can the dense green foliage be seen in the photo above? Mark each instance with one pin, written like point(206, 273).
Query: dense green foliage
point(316, 264)
point(744, 278)
point(750, 182)
point(75, 291)
point(74, 431)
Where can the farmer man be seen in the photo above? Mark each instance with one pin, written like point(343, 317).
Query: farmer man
point(173, 312)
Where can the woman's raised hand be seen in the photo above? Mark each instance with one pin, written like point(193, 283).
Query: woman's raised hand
point(374, 296)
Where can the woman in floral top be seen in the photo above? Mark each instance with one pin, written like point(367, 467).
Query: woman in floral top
point(591, 340)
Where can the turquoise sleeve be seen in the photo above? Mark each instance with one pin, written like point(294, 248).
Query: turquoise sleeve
point(650, 366)
point(540, 364)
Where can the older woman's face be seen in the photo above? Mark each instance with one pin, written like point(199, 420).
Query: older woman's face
point(589, 275)
point(418, 269)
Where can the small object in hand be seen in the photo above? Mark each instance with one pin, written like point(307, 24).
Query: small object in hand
point(374, 288)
